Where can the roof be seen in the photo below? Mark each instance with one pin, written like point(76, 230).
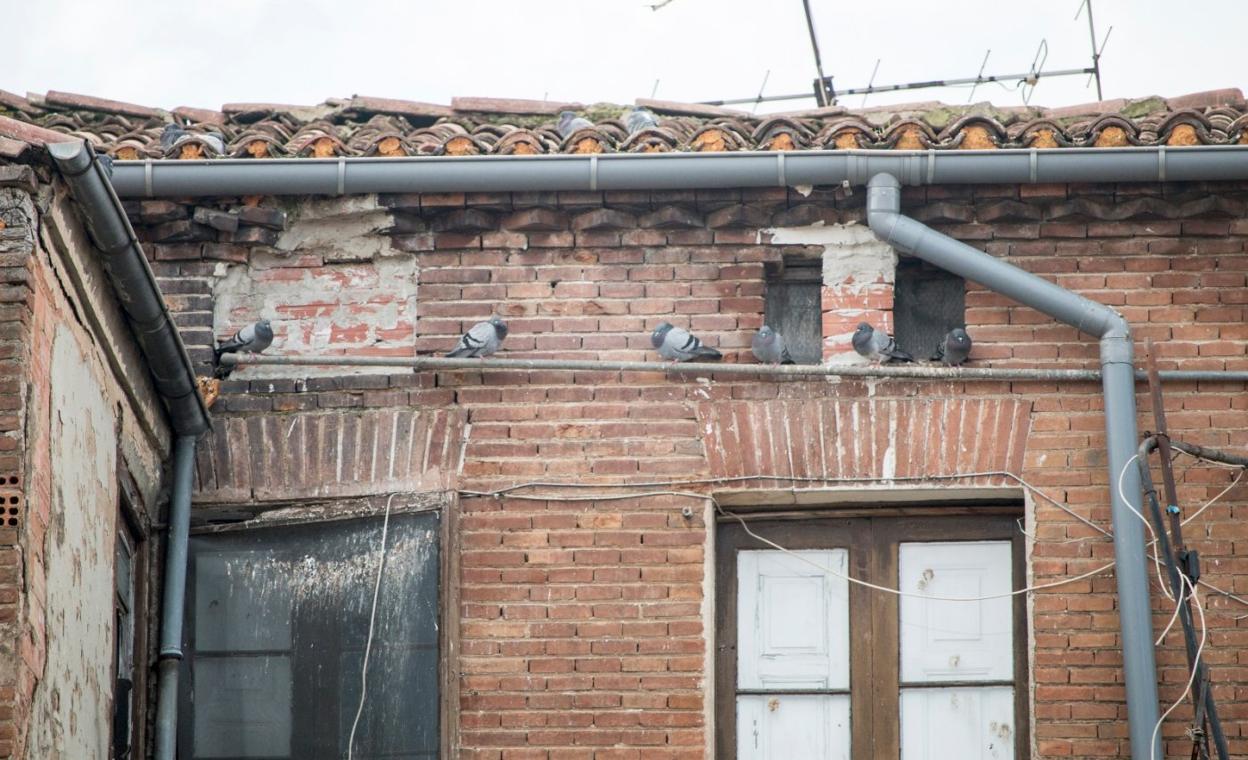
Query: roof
point(368, 126)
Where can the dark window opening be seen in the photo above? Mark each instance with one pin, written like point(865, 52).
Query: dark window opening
point(277, 631)
point(927, 303)
point(793, 306)
point(125, 597)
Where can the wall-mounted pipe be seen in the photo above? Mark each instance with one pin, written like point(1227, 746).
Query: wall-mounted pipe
point(173, 605)
point(1117, 379)
point(134, 285)
point(905, 371)
point(672, 171)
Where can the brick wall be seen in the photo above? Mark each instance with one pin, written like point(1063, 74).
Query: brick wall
point(584, 628)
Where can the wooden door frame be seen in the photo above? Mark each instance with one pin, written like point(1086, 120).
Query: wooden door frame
point(874, 644)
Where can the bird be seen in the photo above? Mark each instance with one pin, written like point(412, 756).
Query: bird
point(768, 347)
point(569, 122)
point(251, 339)
point(170, 136)
point(678, 345)
point(878, 345)
point(481, 340)
point(639, 118)
point(954, 348)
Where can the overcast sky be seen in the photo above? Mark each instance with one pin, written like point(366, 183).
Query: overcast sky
point(169, 53)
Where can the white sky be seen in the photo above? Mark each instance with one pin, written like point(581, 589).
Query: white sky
point(203, 54)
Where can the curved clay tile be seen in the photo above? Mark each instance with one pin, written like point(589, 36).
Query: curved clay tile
point(1221, 118)
point(317, 140)
point(652, 140)
point(384, 144)
point(613, 129)
point(848, 133)
point(587, 140)
point(1042, 134)
point(1108, 131)
point(462, 145)
point(523, 142)
point(256, 144)
point(1187, 127)
point(781, 134)
point(196, 146)
point(973, 132)
point(908, 134)
point(131, 149)
point(495, 131)
point(715, 139)
point(1237, 131)
point(62, 122)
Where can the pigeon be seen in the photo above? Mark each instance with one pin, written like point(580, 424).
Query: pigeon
point(768, 346)
point(678, 345)
point(170, 136)
point(878, 345)
point(954, 348)
point(639, 118)
point(252, 339)
point(569, 122)
point(481, 340)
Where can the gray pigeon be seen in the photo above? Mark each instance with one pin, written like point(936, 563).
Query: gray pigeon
point(877, 345)
point(569, 122)
point(170, 136)
point(954, 349)
point(768, 347)
point(639, 118)
point(678, 345)
point(251, 339)
point(481, 340)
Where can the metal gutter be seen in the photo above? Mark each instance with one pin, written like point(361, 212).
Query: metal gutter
point(1118, 381)
point(174, 602)
point(908, 371)
point(148, 317)
point(672, 171)
point(134, 285)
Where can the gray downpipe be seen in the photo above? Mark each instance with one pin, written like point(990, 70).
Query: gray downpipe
point(1118, 382)
point(672, 171)
point(174, 602)
point(134, 284)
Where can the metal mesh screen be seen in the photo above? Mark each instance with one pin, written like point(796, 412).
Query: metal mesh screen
point(927, 303)
point(793, 307)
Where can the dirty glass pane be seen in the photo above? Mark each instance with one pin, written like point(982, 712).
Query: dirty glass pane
point(302, 595)
point(242, 707)
point(927, 303)
point(793, 307)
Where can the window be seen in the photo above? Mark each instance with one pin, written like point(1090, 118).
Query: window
point(125, 595)
point(279, 621)
point(810, 665)
point(928, 302)
point(794, 290)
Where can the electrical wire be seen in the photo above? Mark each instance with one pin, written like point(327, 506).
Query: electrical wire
point(372, 622)
point(899, 592)
point(1204, 633)
point(1153, 543)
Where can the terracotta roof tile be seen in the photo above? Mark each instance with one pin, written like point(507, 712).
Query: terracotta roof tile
point(368, 126)
point(89, 103)
point(511, 106)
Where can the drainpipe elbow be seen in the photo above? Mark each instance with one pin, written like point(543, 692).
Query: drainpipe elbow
point(1116, 343)
point(884, 212)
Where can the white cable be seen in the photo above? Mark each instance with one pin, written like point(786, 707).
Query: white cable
point(372, 621)
point(899, 592)
point(1153, 543)
point(1204, 632)
point(1209, 503)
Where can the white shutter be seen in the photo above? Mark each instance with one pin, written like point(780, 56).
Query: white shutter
point(793, 727)
point(965, 723)
point(792, 621)
point(956, 641)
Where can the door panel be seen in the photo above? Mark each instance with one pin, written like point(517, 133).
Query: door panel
point(793, 621)
point(789, 727)
point(975, 723)
point(949, 640)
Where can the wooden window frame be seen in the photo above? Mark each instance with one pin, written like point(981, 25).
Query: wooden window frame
point(875, 652)
point(446, 505)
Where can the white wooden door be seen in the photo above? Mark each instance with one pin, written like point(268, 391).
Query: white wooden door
point(792, 636)
point(966, 643)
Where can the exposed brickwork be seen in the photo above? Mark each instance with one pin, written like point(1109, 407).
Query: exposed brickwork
point(583, 633)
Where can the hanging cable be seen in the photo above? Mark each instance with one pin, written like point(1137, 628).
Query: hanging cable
point(372, 621)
